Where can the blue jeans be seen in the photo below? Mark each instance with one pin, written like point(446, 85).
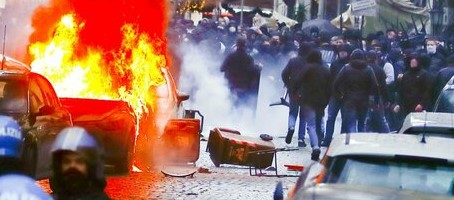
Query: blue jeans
point(294, 109)
point(307, 119)
point(354, 117)
point(333, 109)
point(376, 121)
point(320, 125)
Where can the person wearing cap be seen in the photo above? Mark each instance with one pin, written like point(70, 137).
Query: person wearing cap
point(16, 186)
point(356, 86)
point(11, 142)
point(78, 168)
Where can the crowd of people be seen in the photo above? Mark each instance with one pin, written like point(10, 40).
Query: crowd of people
point(373, 81)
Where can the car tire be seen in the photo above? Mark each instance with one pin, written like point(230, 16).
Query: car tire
point(126, 161)
point(30, 159)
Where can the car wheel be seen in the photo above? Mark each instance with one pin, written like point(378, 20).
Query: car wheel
point(125, 162)
point(29, 159)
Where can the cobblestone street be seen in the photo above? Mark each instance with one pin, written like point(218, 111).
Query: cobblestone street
point(224, 182)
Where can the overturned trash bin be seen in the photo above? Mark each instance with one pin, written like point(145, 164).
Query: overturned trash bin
point(230, 147)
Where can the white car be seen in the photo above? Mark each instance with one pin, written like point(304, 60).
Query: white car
point(381, 166)
point(429, 123)
point(445, 100)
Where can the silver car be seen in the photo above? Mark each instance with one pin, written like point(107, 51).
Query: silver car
point(381, 166)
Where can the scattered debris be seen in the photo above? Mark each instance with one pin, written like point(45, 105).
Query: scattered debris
point(204, 170)
point(294, 167)
point(266, 137)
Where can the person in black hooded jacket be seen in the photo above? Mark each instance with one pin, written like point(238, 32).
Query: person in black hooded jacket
point(356, 86)
point(314, 87)
point(78, 168)
point(335, 103)
point(243, 75)
point(294, 67)
point(415, 88)
point(376, 121)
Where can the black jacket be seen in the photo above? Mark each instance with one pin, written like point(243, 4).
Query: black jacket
point(334, 69)
point(414, 89)
point(89, 194)
point(380, 76)
point(292, 70)
point(315, 86)
point(437, 62)
point(355, 83)
point(240, 70)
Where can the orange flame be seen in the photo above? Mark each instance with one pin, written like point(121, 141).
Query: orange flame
point(105, 49)
point(134, 67)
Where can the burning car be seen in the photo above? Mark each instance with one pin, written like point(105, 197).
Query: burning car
point(112, 70)
point(116, 126)
point(30, 99)
point(113, 123)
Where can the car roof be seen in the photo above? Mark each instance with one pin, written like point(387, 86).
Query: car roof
point(332, 191)
point(390, 145)
point(12, 64)
point(428, 120)
point(451, 81)
point(12, 68)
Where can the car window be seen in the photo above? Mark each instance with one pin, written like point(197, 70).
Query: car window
point(36, 97)
point(427, 177)
point(445, 101)
point(13, 96)
point(50, 98)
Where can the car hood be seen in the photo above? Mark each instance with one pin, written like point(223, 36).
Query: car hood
point(359, 192)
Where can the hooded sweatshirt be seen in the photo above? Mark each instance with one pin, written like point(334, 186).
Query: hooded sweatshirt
point(355, 82)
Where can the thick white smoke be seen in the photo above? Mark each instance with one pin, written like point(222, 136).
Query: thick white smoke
point(17, 15)
point(201, 78)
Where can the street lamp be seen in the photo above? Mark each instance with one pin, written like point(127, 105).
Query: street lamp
point(436, 18)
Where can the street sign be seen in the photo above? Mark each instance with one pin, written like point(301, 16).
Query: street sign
point(364, 8)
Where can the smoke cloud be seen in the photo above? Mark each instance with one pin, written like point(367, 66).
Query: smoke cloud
point(16, 15)
point(202, 79)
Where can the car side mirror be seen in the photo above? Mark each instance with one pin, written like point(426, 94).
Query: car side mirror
point(45, 110)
